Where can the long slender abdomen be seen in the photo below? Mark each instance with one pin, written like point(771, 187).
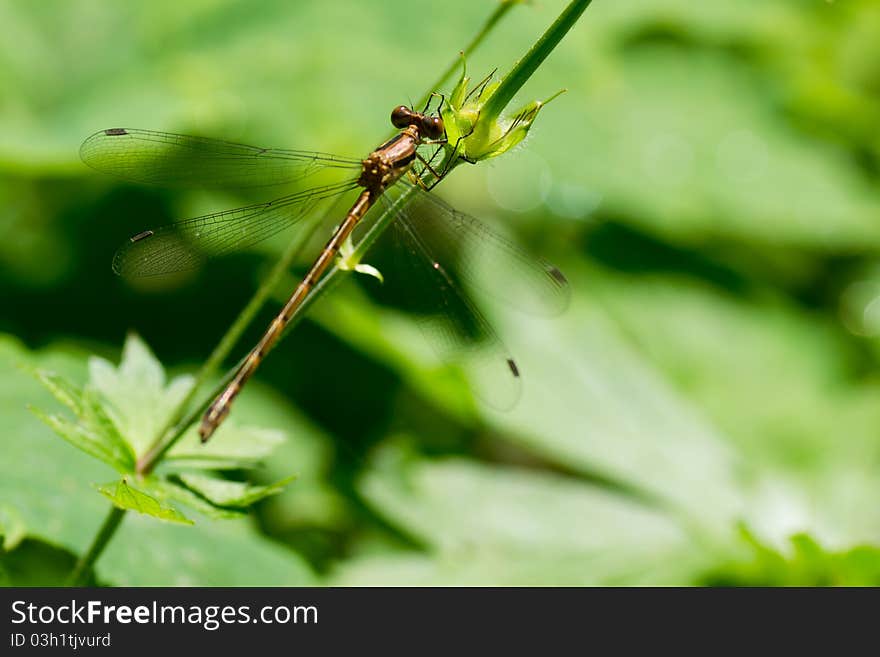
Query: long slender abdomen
point(219, 408)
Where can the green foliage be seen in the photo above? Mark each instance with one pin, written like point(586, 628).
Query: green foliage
point(48, 498)
point(704, 413)
point(232, 493)
point(511, 526)
point(94, 433)
point(475, 116)
point(138, 402)
point(803, 563)
point(125, 496)
point(474, 130)
point(12, 527)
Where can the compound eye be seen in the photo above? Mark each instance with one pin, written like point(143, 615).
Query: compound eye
point(401, 116)
point(432, 126)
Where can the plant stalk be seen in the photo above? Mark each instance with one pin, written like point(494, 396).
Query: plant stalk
point(529, 63)
point(503, 7)
point(84, 564)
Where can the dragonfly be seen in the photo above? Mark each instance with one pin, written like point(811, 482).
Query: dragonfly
point(424, 223)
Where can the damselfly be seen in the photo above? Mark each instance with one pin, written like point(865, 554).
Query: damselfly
point(423, 221)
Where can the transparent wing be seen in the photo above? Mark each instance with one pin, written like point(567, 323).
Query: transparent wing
point(450, 321)
point(186, 244)
point(161, 158)
point(483, 258)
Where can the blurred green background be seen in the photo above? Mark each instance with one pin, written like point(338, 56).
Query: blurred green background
point(705, 412)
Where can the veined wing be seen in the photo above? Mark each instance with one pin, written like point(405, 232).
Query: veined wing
point(186, 244)
point(449, 254)
point(162, 158)
point(449, 319)
point(527, 282)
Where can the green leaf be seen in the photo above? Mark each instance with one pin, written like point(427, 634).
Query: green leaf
point(126, 497)
point(95, 417)
point(653, 414)
point(62, 389)
point(813, 439)
point(232, 493)
point(348, 261)
point(452, 503)
point(213, 553)
point(478, 567)
point(473, 132)
point(803, 561)
point(42, 479)
point(139, 402)
point(95, 433)
point(486, 524)
point(234, 446)
point(136, 385)
point(586, 420)
point(165, 489)
point(48, 486)
point(92, 443)
point(313, 501)
point(12, 527)
point(138, 397)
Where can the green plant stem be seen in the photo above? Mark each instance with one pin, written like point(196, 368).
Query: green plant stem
point(499, 13)
point(105, 533)
point(524, 68)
